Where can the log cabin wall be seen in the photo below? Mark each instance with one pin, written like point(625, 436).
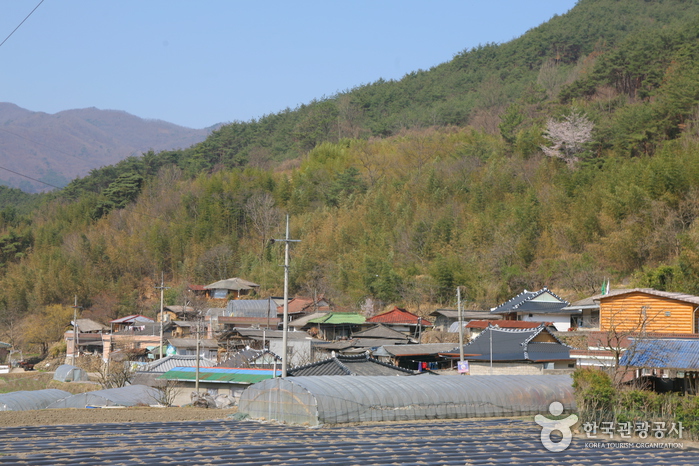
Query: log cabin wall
point(645, 312)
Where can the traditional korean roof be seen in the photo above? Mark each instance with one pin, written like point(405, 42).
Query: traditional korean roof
point(233, 284)
point(361, 364)
point(539, 302)
point(339, 318)
point(504, 324)
point(399, 316)
point(664, 354)
point(220, 375)
point(246, 357)
point(514, 345)
point(176, 360)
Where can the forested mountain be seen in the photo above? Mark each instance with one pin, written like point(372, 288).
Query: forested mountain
point(559, 159)
point(57, 148)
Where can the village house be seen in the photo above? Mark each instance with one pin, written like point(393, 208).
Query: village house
point(231, 288)
point(649, 310)
point(402, 321)
point(360, 364)
point(538, 306)
point(415, 357)
point(501, 351)
point(447, 320)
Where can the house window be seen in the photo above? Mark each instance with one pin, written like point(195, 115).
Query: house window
point(667, 313)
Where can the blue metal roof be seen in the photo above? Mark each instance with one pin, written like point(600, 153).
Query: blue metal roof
point(665, 354)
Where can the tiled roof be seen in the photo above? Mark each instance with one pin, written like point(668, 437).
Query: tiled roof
point(513, 345)
point(176, 360)
point(523, 303)
point(399, 316)
point(465, 314)
point(504, 324)
point(220, 375)
point(361, 364)
point(245, 357)
point(665, 354)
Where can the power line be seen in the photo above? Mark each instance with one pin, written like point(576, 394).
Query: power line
point(15, 29)
point(29, 177)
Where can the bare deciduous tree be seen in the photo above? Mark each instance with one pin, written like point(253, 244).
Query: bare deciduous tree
point(264, 215)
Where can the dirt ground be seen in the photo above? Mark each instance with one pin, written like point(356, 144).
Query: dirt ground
point(44, 417)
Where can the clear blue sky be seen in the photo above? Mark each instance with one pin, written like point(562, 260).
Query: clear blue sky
point(200, 62)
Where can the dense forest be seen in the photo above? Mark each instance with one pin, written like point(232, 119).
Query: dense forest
point(562, 158)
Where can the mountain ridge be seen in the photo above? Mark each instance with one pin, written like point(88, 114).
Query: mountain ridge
point(56, 148)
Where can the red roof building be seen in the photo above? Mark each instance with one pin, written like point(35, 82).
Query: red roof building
point(402, 321)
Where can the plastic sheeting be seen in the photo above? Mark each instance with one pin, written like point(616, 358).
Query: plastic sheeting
point(68, 373)
point(26, 400)
point(131, 395)
point(336, 399)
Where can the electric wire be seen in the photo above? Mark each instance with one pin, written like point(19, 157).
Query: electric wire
point(18, 26)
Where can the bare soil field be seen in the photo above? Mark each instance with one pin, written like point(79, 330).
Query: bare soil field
point(45, 417)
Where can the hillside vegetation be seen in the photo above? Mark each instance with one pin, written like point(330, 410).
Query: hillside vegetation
point(400, 191)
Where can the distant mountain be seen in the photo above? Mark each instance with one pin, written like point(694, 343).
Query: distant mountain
point(60, 147)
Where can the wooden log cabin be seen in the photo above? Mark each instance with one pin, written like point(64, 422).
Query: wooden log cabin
point(648, 310)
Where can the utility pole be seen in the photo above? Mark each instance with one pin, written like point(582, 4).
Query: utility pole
point(461, 325)
point(162, 287)
point(75, 328)
point(286, 241)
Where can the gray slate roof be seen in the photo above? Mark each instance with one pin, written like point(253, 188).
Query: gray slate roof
point(380, 331)
point(413, 350)
point(251, 308)
point(514, 345)
point(361, 364)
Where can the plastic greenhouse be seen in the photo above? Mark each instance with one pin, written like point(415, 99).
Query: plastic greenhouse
point(68, 373)
point(131, 395)
point(26, 400)
point(340, 399)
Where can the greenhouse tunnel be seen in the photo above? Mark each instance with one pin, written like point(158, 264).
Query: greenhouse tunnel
point(131, 395)
point(320, 400)
point(68, 373)
point(31, 399)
